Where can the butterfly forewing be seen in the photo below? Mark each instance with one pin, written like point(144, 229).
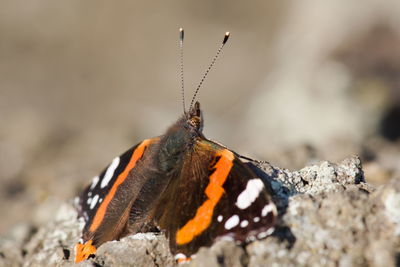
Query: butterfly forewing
point(94, 193)
point(106, 203)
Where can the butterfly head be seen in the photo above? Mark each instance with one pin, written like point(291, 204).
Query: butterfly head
point(183, 135)
point(194, 119)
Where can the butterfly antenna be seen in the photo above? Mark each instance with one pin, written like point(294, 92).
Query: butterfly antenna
point(226, 37)
point(181, 36)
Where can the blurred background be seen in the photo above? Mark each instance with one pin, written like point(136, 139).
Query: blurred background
point(298, 82)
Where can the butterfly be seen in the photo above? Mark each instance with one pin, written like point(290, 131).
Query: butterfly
point(193, 189)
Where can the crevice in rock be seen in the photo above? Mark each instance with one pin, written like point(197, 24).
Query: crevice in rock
point(221, 260)
point(66, 253)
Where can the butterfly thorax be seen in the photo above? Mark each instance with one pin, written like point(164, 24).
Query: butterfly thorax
point(180, 139)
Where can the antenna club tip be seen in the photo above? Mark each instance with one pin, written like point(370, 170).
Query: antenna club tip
point(226, 37)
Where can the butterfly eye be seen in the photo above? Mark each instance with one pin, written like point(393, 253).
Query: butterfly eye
point(195, 122)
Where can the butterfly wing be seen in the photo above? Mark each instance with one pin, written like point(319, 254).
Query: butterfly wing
point(215, 196)
point(105, 204)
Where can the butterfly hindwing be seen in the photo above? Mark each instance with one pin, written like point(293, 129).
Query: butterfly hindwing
point(246, 212)
point(215, 196)
point(105, 205)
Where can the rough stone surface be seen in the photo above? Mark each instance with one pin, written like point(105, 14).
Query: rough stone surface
point(328, 216)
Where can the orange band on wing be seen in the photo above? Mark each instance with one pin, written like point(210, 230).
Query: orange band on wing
point(214, 191)
point(137, 154)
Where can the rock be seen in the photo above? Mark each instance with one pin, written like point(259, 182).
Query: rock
point(222, 253)
point(148, 249)
point(53, 243)
point(328, 216)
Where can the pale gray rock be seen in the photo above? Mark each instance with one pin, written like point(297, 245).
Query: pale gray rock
point(328, 216)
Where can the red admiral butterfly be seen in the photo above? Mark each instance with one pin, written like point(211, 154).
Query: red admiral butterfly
point(193, 189)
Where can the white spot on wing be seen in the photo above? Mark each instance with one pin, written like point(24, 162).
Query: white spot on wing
point(109, 173)
point(267, 209)
point(226, 238)
point(232, 222)
point(250, 238)
point(94, 182)
point(94, 201)
point(180, 256)
point(219, 218)
point(256, 219)
point(89, 200)
point(252, 191)
point(270, 230)
point(100, 200)
point(262, 235)
point(244, 223)
point(266, 233)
